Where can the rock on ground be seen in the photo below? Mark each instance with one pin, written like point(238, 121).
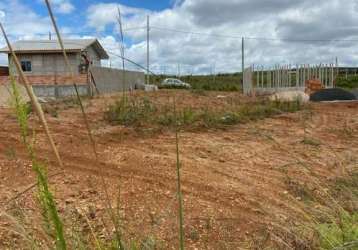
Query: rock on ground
point(290, 96)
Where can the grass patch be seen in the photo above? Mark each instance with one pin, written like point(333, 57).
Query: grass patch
point(341, 234)
point(132, 111)
point(144, 112)
point(350, 83)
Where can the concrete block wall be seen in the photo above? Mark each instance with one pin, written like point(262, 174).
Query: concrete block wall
point(59, 91)
point(110, 80)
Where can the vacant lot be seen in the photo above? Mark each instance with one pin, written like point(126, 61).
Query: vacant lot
point(252, 184)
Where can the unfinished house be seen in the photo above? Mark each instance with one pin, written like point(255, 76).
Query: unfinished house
point(43, 63)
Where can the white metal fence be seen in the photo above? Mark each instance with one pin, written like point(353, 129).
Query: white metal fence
point(261, 79)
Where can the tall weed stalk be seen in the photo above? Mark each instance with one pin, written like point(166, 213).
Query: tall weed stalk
point(46, 198)
point(180, 197)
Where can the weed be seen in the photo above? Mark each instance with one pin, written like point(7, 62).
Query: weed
point(45, 196)
point(142, 111)
point(230, 118)
point(298, 189)
point(180, 195)
point(129, 112)
point(311, 142)
point(10, 153)
point(188, 116)
point(340, 234)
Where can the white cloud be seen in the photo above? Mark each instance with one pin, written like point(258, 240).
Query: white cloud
point(2, 16)
point(63, 6)
point(103, 14)
point(303, 19)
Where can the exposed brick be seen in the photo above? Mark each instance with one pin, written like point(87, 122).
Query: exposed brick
point(50, 79)
point(313, 85)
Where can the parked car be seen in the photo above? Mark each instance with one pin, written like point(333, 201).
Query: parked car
point(175, 83)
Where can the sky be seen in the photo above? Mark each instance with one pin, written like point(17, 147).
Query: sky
point(199, 36)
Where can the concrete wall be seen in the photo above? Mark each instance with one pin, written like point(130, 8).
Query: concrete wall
point(49, 64)
point(94, 57)
point(109, 80)
point(47, 91)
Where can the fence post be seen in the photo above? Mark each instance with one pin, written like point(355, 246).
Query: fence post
point(332, 75)
point(148, 30)
point(262, 77)
point(243, 62)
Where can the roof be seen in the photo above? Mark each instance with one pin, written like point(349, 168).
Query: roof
point(52, 46)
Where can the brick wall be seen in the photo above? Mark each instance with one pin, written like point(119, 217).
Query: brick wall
point(313, 85)
point(4, 71)
point(50, 79)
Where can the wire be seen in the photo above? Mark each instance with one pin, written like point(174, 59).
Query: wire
point(194, 33)
point(132, 62)
point(253, 38)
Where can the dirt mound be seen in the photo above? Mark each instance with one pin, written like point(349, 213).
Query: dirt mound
point(332, 95)
point(5, 94)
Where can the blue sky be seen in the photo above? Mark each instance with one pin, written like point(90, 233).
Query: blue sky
point(81, 6)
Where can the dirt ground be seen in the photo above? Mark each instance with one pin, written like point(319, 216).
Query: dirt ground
point(244, 186)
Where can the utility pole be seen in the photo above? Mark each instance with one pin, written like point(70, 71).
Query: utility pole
point(49, 36)
point(243, 61)
point(148, 29)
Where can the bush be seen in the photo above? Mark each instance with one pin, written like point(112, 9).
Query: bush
point(350, 83)
point(129, 111)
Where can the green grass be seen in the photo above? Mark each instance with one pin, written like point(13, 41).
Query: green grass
point(340, 234)
point(144, 112)
point(350, 83)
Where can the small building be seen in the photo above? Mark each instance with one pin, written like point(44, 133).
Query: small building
point(43, 63)
point(43, 59)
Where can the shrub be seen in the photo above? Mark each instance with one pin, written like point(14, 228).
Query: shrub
point(350, 83)
point(129, 112)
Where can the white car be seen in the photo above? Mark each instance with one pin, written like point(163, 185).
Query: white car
point(172, 82)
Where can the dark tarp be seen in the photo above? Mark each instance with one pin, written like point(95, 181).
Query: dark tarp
point(332, 95)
